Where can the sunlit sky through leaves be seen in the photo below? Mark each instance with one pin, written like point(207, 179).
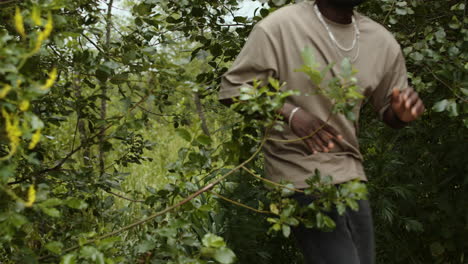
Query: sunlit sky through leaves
point(248, 7)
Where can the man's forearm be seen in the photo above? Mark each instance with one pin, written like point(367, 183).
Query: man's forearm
point(391, 119)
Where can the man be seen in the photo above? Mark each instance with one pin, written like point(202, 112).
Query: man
point(334, 31)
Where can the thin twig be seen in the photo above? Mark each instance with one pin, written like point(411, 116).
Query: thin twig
point(5, 2)
point(74, 134)
point(445, 84)
point(302, 138)
point(271, 182)
point(123, 197)
point(389, 12)
point(93, 43)
point(239, 204)
point(156, 114)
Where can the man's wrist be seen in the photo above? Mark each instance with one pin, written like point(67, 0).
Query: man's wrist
point(286, 110)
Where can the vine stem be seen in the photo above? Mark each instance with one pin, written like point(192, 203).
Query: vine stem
point(271, 182)
point(303, 138)
point(123, 197)
point(389, 12)
point(170, 208)
point(239, 204)
point(7, 2)
point(445, 84)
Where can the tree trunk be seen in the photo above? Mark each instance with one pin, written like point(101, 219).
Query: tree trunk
point(104, 91)
point(201, 113)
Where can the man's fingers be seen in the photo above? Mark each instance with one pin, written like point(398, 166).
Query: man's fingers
point(330, 139)
point(418, 109)
point(407, 93)
point(411, 100)
point(333, 132)
point(325, 140)
point(311, 146)
point(318, 144)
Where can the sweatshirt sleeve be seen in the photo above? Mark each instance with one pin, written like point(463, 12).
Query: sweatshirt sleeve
point(256, 61)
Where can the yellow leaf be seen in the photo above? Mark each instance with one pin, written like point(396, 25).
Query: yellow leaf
point(24, 105)
point(13, 132)
point(4, 91)
point(48, 27)
point(35, 139)
point(31, 196)
point(51, 80)
point(43, 35)
point(19, 24)
point(40, 39)
point(36, 16)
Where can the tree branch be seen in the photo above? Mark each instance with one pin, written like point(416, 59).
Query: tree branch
point(239, 204)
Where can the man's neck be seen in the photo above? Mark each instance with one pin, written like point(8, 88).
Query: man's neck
point(335, 14)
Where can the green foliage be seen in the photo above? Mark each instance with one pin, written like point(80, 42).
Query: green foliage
point(342, 90)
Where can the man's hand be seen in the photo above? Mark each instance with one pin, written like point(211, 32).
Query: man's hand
point(318, 135)
point(407, 105)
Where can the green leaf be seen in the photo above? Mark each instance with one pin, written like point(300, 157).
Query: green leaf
point(204, 140)
point(92, 253)
point(216, 50)
point(341, 208)
point(146, 246)
point(417, 56)
point(286, 192)
point(55, 247)
point(211, 240)
point(274, 208)
point(240, 19)
point(308, 57)
point(224, 255)
point(183, 133)
point(286, 230)
point(68, 259)
point(51, 202)
point(76, 203)
point(264, 12)
point(440, 35)
point(346, 68)
point(102, 75)
point(291, 221)
point(352, 204)
point(464, 91)
point(441, 106)
point(50, 211)
point(453, 108)
point(329, 223)
point(401, 11)
point(18, 220)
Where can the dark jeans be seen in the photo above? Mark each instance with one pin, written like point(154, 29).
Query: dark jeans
point(352, 242)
